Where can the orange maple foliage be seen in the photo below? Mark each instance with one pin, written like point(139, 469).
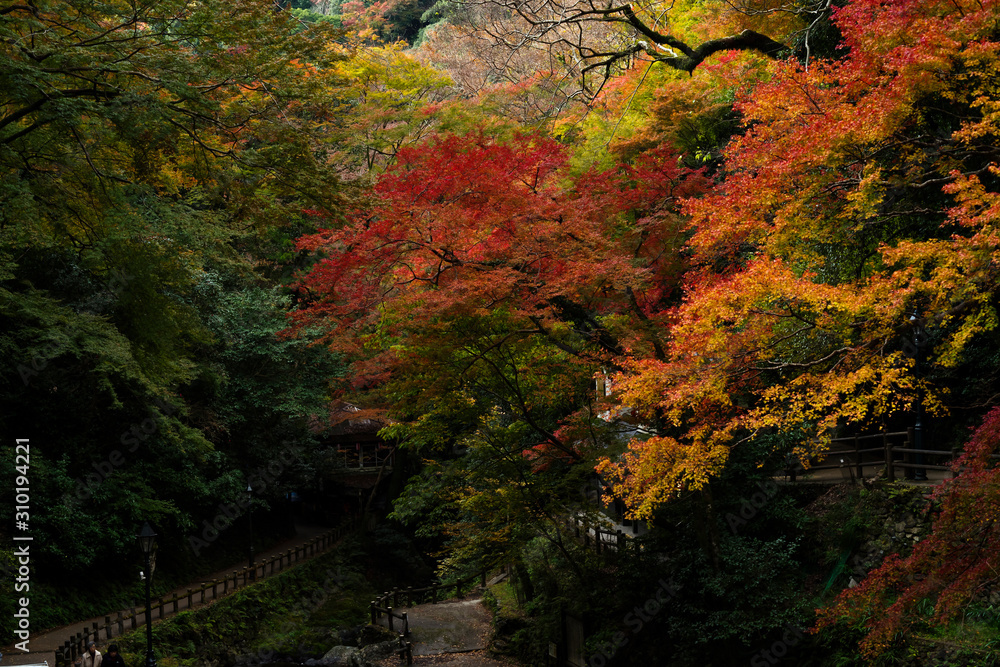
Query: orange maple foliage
point(818, 245)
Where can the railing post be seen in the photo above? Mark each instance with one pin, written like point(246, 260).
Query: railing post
point(908, 458)
point(389, 609)
point(159, 604)
point(175, 597)
point(107, 626)
point(132, 618)
point(890, 471)
point(406, 625)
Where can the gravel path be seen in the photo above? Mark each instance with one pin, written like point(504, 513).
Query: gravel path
point(451, 634)
point(448, 627)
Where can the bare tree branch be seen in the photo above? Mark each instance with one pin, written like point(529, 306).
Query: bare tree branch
point(587, 39)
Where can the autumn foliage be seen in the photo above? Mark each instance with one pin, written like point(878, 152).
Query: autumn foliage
point(952, 567)
point(773, 293)
point(467, 226)
point(855, 202)
point(855, 199)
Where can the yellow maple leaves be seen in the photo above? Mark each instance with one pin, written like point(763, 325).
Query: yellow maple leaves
point(848, 206)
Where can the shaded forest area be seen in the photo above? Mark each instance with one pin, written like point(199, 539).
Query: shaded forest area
point(650, 252)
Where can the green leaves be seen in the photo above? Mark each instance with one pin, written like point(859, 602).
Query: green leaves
point(271, 388)
point(147, 149)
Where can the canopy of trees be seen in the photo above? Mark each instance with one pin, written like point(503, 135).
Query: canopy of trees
point(154, 161)
point(648, 250)
point(765, 298)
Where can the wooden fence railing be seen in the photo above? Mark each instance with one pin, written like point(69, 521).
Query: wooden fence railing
point(892, 451)
point(405, 650)
point(409, 597)
point(389, 602)
point(602, 540)
point(366, 456)
point(377, 612)
point(128, 620)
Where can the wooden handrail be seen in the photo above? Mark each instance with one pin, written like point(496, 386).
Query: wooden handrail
point(377, 612)
point(870, 436)
point(853, 455)
point(74, 646)
point(409, 596)
point(619, 539)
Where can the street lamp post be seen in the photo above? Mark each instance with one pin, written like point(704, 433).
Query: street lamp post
point(147, 538)
point(919, 474)
point(253, 570)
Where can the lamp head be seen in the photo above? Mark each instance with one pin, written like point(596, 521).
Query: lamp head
point(147, 538)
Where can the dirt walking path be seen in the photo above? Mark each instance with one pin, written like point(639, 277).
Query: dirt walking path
point(45, 644)
point(451, 634)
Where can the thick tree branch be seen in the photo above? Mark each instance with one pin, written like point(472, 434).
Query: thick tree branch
point(13, 8)
point(748, 40)
point(39, 103)
point(584, 38)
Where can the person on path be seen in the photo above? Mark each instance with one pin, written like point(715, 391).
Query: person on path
point(91, 658)
point(112, 658)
